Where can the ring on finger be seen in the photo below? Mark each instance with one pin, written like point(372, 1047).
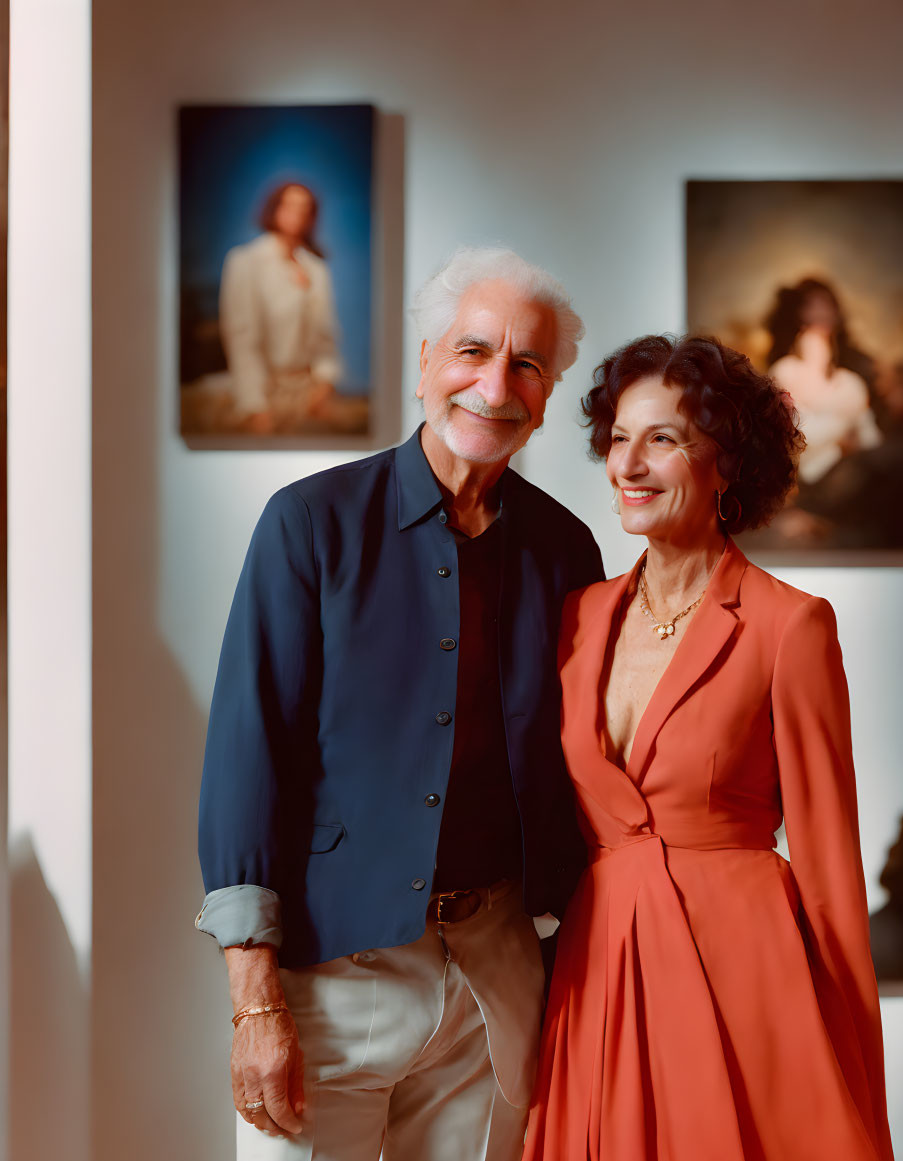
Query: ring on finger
point(253, 1106)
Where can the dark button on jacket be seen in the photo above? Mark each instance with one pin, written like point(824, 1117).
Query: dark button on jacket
point(324, 710)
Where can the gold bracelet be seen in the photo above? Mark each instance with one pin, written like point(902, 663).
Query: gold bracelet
point(263, 1010)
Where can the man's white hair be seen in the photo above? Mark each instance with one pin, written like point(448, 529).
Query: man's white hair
point(436, 303)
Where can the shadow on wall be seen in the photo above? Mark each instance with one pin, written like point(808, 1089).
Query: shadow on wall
point(49, 1084)
point(161, 1012)
point(160, 1028)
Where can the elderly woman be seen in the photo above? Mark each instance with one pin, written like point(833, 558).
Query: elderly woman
point(711, 1002)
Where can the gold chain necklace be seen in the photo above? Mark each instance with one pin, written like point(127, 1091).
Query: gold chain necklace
point(665, 629)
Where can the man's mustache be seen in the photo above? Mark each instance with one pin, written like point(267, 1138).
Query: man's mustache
point(474, 402)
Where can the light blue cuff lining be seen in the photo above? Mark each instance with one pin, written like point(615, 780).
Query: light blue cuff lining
point(242, 916)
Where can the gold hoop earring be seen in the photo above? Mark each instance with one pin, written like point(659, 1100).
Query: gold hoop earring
point(721, 516)
point(615, 506)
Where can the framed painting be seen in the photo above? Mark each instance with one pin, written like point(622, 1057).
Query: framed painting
point(806, 278)
point(276, 266)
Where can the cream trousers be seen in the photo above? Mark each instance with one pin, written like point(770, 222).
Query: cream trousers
point(418, 1053)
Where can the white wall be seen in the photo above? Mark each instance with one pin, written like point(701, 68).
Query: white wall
point(565, 130)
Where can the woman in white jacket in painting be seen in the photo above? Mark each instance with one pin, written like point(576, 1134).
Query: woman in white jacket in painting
point(277, 320)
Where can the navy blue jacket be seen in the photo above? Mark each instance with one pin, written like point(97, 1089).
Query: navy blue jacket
point(330, 720)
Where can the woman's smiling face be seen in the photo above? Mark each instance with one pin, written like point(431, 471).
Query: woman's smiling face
point(663, 468)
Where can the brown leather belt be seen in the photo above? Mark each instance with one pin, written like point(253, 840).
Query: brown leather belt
point(454, 906)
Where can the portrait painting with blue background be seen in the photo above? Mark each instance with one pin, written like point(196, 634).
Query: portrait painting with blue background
point(231, 158)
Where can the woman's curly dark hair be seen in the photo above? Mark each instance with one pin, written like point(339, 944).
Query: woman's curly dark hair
point(750, 418)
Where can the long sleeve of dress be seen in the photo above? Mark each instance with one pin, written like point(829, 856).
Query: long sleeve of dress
point(241, 331)
point(812, 740)
point(261, 740)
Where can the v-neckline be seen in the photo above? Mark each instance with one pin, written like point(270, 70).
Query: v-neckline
point(605, 677)
point(585, 632)
point(620, 613)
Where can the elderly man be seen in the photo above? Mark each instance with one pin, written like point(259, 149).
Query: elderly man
point(384, 802)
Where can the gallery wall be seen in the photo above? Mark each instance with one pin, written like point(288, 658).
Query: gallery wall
point(566, 131)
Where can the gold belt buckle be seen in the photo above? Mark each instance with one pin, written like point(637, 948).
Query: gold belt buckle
point(449, 898)
point(441, 900)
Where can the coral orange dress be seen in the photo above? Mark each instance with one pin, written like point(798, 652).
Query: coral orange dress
point(710, 1001)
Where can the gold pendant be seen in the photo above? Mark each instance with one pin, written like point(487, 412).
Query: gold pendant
point(665, 630)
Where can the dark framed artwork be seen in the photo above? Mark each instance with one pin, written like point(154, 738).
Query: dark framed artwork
point(806, 278)
point(886, 923)
point(276, 261)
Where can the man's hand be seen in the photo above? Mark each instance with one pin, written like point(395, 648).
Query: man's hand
point(266, 1055)
point(266, 1065)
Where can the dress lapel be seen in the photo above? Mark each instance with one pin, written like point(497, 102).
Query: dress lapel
point(707, 634)
point(582, 709)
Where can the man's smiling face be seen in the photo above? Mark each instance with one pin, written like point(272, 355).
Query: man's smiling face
point(485, 382)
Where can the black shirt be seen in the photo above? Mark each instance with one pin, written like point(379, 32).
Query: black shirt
point(480, 838)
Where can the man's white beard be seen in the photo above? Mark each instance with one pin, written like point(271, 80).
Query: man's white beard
point(498, 448)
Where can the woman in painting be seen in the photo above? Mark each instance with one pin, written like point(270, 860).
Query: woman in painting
point(812, 357)
point(277, 318)
point(710, 1001)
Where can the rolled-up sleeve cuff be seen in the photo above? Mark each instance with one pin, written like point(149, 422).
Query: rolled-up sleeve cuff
point(242, 916)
